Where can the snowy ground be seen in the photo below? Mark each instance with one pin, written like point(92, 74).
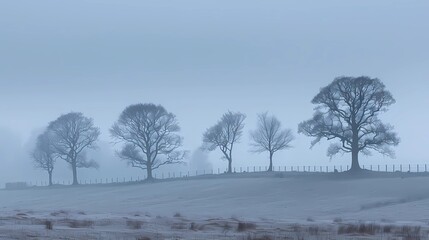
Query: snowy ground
point(273, 206)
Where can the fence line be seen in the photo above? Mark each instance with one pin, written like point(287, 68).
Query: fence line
point(412, 168)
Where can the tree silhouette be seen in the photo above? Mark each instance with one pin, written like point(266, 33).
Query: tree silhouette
point(347, 110)
point(269, 137)
point(150, 138)
point(44, 156)
point(73, 134)
point(224, 135)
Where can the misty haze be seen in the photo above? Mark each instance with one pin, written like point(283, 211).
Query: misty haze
point(254, 120)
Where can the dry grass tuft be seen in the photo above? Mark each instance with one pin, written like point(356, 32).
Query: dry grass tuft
point(253, 237)
point(242, 226)
point(134, 224)
point(49, 225)
point(80, 223)
point(143, 238)
point(369, 229)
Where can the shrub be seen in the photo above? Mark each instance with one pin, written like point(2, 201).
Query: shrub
point(49, 225)
point(409, 232)
point(242, 226)
point(264, 237)
point(313, 230)
point(134, 224)
point(226, 227)
point(387, 228)
point(81, 223)
point(143, 238)
point(362, 228)
point(193, 227)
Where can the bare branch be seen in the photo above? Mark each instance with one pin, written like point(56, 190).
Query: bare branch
point(225, 134)
point(150, 138)
point(347, 110)
point(74, 133)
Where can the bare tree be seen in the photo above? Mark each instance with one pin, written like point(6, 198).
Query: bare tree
point(74, 133)
point(44, 154)
point(150, 138)
point(347, 110)
point(224, 135)
point(269, 137)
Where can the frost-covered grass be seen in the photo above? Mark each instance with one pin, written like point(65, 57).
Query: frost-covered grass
point(21, 225)
point(243, 207)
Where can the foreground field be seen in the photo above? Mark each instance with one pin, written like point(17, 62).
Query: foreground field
point(261, 207)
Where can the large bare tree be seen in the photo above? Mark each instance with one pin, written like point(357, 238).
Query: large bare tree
point(150, 138)
point(348, 110)
point(73, 134)
point(269, 137)
point(44, 156)
point(224, 135)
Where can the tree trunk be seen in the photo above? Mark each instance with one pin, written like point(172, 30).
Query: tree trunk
point(355, 161)
point(75, 182)
point(355, 150)
point(149, 166)
point(270, 168)
point(50, 178)
point(229, 165)
point(149, 173)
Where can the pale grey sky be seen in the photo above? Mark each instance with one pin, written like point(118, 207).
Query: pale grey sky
point(200, 59)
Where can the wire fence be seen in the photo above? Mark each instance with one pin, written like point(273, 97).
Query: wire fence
point(412, 168)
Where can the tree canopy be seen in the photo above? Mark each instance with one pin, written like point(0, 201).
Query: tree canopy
point(348, 110)
point(150, 137)
point(224, 135)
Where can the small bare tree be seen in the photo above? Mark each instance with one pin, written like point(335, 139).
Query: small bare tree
point(269, 137)
point(44, 156)
point(150, 138)
point(224, 135)
point(73, 134)
point(347, 110)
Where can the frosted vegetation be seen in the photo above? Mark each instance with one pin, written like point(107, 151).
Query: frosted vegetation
point(246, 205)
point(147, 136)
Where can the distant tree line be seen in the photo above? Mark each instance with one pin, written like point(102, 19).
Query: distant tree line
point(346, 114)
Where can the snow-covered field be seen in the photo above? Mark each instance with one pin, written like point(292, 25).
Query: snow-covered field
point(272, 206)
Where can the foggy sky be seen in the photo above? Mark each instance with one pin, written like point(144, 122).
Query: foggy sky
point(200, 59)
